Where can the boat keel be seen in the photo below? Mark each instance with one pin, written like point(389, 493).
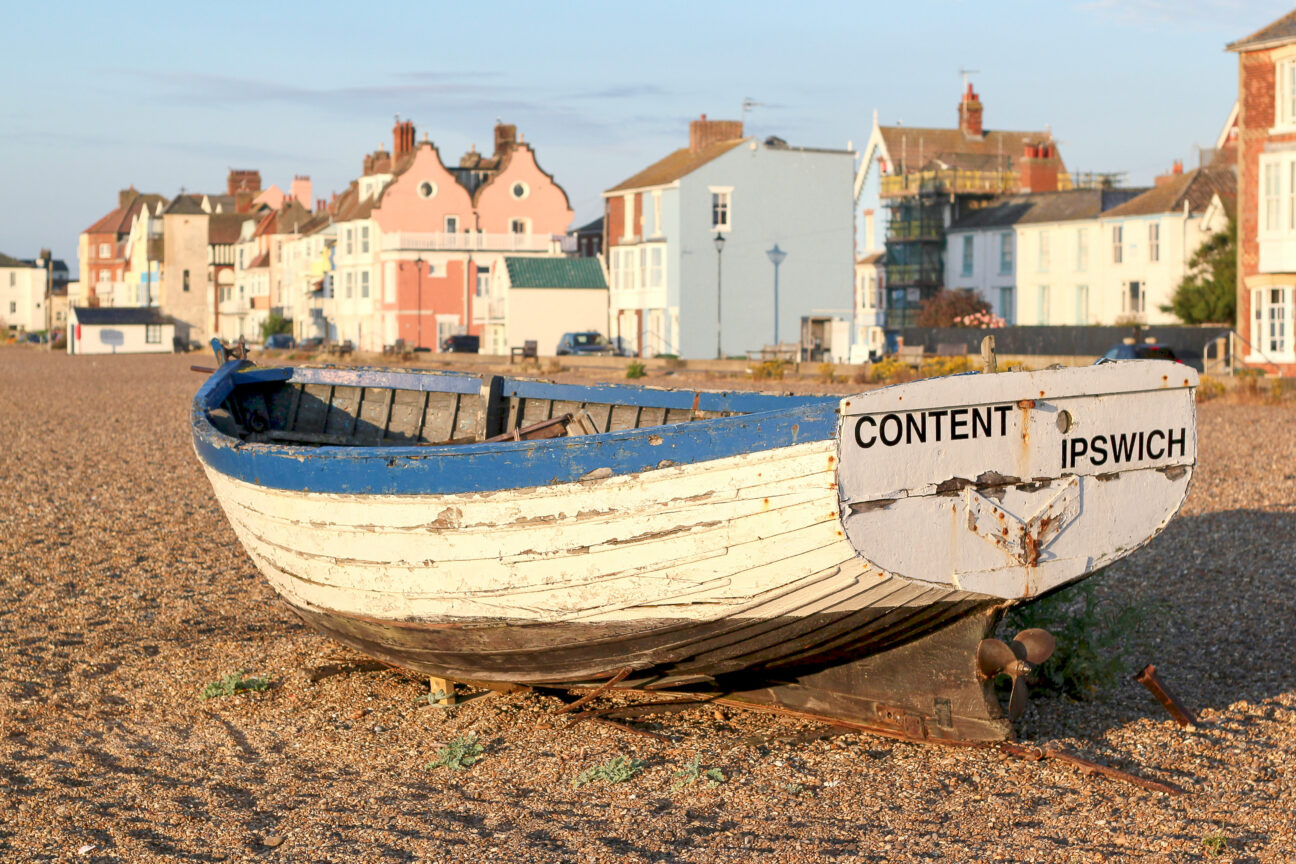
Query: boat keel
point(927, 689)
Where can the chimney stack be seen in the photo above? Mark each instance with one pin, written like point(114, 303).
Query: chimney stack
point(301, 190)
point(1038, 168)
point(126, 197)
point(506, 138)
point(970, 114)
point(402, 137)
point(243, 181)
point(1176, 171)
point(704, 132)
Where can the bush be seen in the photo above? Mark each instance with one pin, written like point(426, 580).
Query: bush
point(635, 369)
point(937, 367)
point(889, 370)
point(768, 369)
point(275, 323)
point(827, 373)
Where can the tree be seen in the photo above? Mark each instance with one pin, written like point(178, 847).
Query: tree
point(275, 323)
point(941, 309)
point(1208, 292)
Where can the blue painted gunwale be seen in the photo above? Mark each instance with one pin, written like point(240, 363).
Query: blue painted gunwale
point(770, 422)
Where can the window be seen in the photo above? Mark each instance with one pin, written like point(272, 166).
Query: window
point(1082, 304)
point(1154, 241)
point(350, 284)
point(364, 239)
point(1005, 253)
point(483, 281)
point(1271, 322)
point(627, 211)
point(1043, 303)
point(364, 283)
point(1117, 248)
point(520, 190)
point(1043, 261)
point(13, 307)
point(655, 277)
point(186, 280)
point(967, 255)
point(104, 275)
point(1285, 93)
point(1082, 250)
point(105, 251)
point(153, 334)
point(1133, 298)
point(720, 206)
point(656, 209)
point(350, 247)
point(1007, 304)
point(427, 189)
point(452, 224)
point(518, 226)
point(13, 278)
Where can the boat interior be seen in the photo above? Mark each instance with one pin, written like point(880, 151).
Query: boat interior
point(357, 407)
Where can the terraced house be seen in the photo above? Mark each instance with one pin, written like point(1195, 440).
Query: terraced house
point(419, 243)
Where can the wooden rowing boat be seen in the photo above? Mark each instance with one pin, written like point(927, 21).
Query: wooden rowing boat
point(839, 556)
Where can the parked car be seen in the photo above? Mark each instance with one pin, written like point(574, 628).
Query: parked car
point(37, 338)
point(461, 343)
point(1143, 351)
point(587, 342)
point(314, 343)
point(279, 341)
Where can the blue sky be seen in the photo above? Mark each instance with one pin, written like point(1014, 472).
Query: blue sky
point(97, 98)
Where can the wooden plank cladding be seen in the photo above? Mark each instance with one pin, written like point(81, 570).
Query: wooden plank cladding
point(418, 411)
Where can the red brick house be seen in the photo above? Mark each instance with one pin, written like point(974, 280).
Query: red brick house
point(1266, 156)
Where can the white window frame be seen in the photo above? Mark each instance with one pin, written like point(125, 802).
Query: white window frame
point(1043, 262)
point(521, 221)
point(452, 224)
point(1082, 250)
point(364, 239)
point(1285, 95)
point(1043, 301)
point(1129, 305)
point(721, 208)
point(153, 334)
point(1154, 241)
point(1118, 244)
point(968, 256)
point(657, 199)
point(1082, 304)
point(350, 284)
point(627, 217)
point(1271, 324)
point(1006, 243)
point(364, 284)
point(105, 250)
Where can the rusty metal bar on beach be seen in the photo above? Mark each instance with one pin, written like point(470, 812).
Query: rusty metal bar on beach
point(1035, 754)
point(1148, 678)
point(616, 679)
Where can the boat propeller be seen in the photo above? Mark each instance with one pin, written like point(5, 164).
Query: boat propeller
point(1016, 659)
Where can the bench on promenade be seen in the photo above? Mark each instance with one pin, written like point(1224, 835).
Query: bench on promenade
point(529, 350)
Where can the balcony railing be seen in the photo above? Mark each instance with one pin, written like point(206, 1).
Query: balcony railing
point(406, 240)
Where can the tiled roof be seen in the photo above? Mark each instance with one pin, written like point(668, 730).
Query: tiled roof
point(184, 205)
point(262, 260)
point(912, 147)
point(595, 227)
point(1280, 31)
point(1042, 207)
point(107, 224)
point(1197, 188)
point(117, 315)
point(871, 258)
point(224, 228)
point(6, 261)
point(678, 164)
point(555, 273)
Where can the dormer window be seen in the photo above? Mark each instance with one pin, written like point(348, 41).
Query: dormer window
point(427, 189)
point(1285, 93)
point(520, 190)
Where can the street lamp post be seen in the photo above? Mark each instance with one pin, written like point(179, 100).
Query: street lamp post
point(719, 244)
point(776, 256)
point(418, 264)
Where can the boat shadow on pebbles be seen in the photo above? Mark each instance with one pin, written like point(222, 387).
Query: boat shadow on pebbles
point(1215, 596)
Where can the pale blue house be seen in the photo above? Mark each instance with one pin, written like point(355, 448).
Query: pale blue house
point(692, 243)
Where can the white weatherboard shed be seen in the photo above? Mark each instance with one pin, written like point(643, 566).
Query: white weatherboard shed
point(548, 297)
point(119, 330)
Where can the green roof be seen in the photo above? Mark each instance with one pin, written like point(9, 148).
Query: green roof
point(555, 273)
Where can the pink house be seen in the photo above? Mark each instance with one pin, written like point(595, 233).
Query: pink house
point(420, 243)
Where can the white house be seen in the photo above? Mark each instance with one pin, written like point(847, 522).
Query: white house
point(119, 330)
point(22, 294)
point(547, 297)
point(870, 307)
point(1146, 243)
point(1035, 257)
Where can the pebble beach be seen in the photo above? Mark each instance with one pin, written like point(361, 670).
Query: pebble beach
point(124, 594)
